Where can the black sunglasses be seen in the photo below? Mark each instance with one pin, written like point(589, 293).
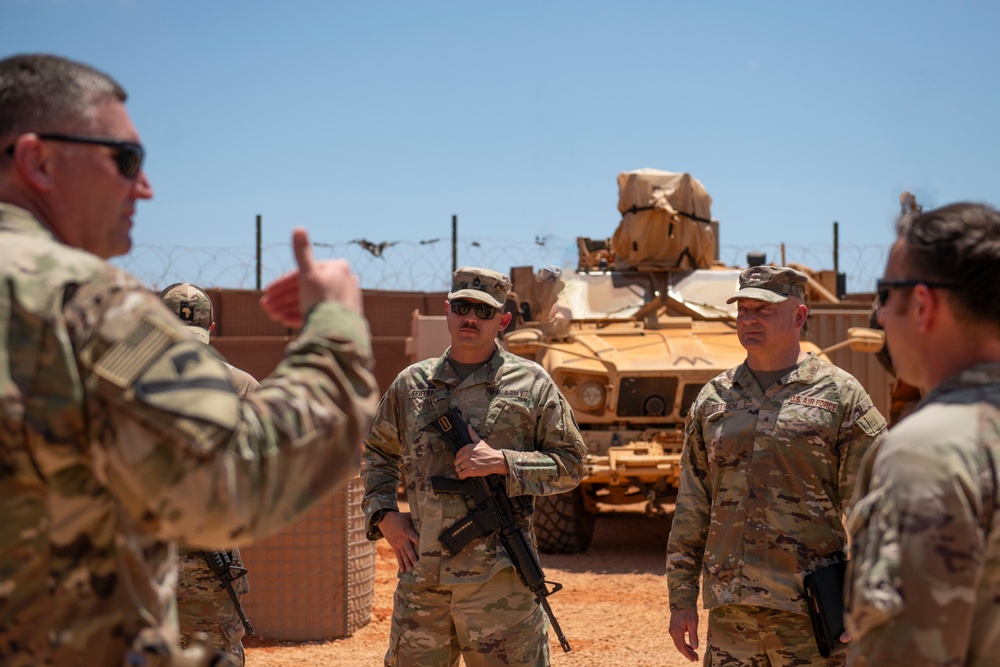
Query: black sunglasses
point(882, 287)
point(483, 311)
point(128, 157)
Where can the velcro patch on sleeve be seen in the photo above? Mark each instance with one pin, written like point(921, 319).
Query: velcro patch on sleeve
point(189, 381)
point(863, 406)
point(171, 373)
point(130, 355)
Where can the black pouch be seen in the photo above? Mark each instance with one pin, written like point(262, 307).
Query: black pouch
point(825, 594)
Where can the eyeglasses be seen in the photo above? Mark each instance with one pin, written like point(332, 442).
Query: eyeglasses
point(483, 311)
point(882, 287)
point(128, 157)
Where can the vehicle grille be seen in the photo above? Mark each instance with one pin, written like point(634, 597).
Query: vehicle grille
point(687, 398)
point(646, 396)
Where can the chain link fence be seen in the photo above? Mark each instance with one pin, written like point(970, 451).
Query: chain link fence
point(425, 266)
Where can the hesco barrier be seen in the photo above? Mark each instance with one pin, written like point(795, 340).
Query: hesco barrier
point(251, 342)
point(316, 579)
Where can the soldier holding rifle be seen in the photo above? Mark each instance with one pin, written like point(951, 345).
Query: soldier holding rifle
point(469, 599)
point(210, 583)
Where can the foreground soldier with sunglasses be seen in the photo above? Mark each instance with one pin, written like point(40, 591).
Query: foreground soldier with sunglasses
point(467, 600)
point(923, 582)
point(119, 432)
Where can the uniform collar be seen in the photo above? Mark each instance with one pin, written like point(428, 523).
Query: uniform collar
point(16, 219)
point(805, 371)
point(490, 372)
point(979, 375)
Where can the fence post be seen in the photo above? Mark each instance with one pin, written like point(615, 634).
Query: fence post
point(836, 248)
point(454, 243)
point(258, 252)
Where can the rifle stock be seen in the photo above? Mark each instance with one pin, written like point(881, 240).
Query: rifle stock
point(495, 512)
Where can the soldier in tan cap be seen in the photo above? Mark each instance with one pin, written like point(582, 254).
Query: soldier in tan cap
point(203, 603)
point(194, 308)
point(471, 603)
point(771, 452)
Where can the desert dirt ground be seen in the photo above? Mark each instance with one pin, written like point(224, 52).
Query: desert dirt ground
point(612, 609)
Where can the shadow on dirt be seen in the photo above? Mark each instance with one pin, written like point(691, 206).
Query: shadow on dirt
point(625, 541)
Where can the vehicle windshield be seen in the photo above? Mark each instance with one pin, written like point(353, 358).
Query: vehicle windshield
point(617, 296)
point(706, 292)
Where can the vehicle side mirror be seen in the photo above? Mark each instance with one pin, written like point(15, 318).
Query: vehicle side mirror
point(861, 339)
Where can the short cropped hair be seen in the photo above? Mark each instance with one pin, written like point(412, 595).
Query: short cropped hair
point(42, 93)
point(958, 244)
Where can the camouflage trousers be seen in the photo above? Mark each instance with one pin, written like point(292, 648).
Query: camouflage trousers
point(750, 636)
point(488, 625)
point(217, 619)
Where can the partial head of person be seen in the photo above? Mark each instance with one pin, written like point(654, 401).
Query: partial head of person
point(69, 153)
point(941, 287)
point(770, 309)
point(476, 310)
point(192, 306)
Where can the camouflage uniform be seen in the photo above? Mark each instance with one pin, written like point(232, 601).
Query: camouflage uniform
point(513, 404)
point(765, 479)
point(120, 434)
point(924, 576)
point(243, 382)
point(203, 603)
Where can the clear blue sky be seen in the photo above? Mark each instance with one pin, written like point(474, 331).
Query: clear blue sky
point(382, 119)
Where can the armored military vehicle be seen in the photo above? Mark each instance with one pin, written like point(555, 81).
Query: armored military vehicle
point(630, 338)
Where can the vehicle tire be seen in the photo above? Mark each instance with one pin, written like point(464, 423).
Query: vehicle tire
point(562, 523)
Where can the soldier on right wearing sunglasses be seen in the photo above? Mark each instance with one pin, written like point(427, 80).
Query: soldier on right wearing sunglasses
point(471, 603)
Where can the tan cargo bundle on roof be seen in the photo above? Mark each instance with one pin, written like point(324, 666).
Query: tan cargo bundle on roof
point(666, 221)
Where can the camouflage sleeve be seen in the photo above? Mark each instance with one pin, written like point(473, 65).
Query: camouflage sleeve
point(177, 445)
point(862, 427)
point(692, 513)
point(381, 461)
point(243, 382)
point(916, 559)
point(557, 464)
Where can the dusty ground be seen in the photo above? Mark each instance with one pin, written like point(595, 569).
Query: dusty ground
point(613, 607)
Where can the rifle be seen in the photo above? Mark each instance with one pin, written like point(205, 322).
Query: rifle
point(495, 512)
point(221, 564)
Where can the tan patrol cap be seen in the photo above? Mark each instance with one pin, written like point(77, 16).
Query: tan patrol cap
point(190, 303)
point(483, 285)
point(773, 284)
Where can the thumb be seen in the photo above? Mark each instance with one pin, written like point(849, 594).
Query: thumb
point(303, 250)
point(473, 434)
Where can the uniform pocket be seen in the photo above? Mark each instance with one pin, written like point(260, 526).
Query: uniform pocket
point(526, 643)
point(509, 425)
point(872, 422)
point(431, 456)
point(395, 634)
point(874, 589)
